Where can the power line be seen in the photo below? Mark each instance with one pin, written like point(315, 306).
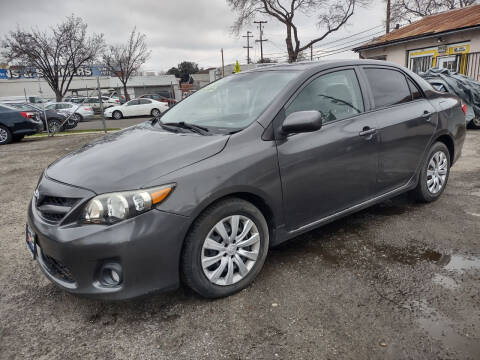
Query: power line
point(340, 40)
point(248, 47)
point(261, 40)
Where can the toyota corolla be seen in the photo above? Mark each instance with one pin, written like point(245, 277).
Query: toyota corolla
point(199, 195)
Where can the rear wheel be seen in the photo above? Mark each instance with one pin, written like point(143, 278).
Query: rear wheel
point(54, 126)
point(77, 117)
point(475, 123)
point(155, 113)
point(5, 135)
point(117, 115)
point(225, 248)
point(434, 174)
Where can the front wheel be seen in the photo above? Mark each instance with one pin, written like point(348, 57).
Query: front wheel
point(117, 115)
point(434, 174)
point(225, 248)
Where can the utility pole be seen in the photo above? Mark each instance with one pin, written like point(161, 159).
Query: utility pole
point(223, 66)
point(248, 47)
point(101, 104)
point(387, 22)
point(261, 40)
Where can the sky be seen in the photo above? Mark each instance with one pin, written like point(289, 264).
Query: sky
point(188, 30)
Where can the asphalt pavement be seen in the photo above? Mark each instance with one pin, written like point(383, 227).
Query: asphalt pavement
point(399, 280)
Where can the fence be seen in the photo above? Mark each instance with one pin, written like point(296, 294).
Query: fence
point(473, 66)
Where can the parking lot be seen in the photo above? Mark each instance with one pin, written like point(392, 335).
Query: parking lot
point(399, 280)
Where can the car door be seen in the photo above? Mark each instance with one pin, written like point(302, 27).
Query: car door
point(145, 107)
point(406, 121)
point(131, 108)
point(334, 168)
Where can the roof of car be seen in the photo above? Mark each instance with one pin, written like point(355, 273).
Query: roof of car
point(321, 64)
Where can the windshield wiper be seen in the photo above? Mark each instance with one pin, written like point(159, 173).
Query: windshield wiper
point(182, 124)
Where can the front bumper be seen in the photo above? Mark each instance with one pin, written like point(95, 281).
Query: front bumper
point(146, 247)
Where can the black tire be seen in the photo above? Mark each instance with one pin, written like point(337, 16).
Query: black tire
point(474, 123)
point(5, 135)
point(155, 112)
point(117, 115)
point(422, 192)
point(17, 138)
point(54, 126)
point(77, 117)
point(192, 272)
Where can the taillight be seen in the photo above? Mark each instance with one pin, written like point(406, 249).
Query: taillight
point(27, 115)
point(117, 101)
point(87, 108)
point(464, 109)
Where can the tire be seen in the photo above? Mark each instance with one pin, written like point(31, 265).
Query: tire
point(5, 135)
point(155, 112)
point(77, 117)
point(196, 251)
point(474, 123)
point(117, 115)
point(54, 126)
point(431, 186)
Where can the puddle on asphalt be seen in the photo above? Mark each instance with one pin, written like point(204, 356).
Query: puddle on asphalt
point(443, 329)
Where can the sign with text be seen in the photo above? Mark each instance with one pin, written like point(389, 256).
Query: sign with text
point(32, 73)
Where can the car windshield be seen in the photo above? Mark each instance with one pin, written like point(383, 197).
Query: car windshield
point(231, 103)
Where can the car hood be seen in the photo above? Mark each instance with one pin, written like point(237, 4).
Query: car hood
point(133, 157)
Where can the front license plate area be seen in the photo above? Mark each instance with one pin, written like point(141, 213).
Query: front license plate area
point(31, 239)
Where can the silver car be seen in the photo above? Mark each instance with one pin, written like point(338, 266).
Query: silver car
point(80, 112)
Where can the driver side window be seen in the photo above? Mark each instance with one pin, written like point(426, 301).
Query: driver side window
point(336, 95)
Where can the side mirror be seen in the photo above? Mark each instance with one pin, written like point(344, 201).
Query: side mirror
point(302, 121)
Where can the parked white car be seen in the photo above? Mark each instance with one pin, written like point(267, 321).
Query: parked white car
point(81, 112)
point(136, 107)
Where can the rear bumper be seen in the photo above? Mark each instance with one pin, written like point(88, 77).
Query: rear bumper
point(146, 247)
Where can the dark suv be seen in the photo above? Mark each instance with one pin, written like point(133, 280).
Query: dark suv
point(247, 162)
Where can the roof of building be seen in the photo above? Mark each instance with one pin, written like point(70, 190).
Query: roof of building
point(437, 24)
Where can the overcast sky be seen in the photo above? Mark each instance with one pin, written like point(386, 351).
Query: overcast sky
point(178, 30)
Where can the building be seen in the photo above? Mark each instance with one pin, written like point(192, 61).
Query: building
point(449, 39)
point(21, 82)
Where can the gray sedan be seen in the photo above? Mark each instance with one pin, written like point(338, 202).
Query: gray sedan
point(200, 194)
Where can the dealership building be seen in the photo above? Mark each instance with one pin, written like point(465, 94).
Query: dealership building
point(449, 39)
point(21, 82)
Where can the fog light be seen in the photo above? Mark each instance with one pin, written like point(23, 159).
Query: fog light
point(111, 274)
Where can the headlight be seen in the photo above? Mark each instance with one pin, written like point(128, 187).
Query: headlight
point(114, 207)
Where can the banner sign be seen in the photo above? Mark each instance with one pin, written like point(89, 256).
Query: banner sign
point(31, 73)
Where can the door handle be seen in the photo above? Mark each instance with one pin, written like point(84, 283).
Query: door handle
point(427, 115)
point(367, 131)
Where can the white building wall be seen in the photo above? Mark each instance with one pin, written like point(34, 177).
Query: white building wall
point(398, 53)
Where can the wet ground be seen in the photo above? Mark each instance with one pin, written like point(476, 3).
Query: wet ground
point(400, 280)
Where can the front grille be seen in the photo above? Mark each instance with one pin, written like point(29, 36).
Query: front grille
point(57, 269)
point(60, 201)
point(53, 208)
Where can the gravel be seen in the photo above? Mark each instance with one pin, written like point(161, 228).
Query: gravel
point(399, 280)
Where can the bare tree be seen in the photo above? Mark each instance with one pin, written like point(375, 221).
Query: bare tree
point(403, 11)
point(331, 16)
point(125, 59)
point(57, 55)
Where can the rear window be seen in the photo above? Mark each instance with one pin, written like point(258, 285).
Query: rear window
point(389, 87)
